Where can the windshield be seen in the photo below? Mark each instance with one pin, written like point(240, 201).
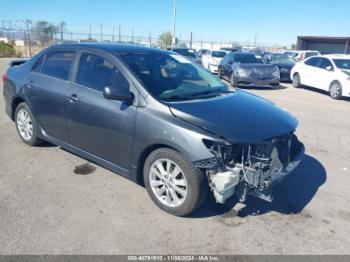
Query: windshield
point(186, 52)
point(218, 54)
point(247, 59)
point(342, 63)
point(282, 58)
point(170, 76)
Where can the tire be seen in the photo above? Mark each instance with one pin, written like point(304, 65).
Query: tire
point(190, 182)
point(335, 90)
point(26, 125)
point(296, 80)
point(232, 80)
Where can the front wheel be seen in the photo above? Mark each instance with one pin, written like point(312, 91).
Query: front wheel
point(232, 80)
point(335, 90)
point(26, 125)
point(173, 183)
point(296, 80)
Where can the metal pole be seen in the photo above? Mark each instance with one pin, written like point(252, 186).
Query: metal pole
point(61, 32)
point(28, 38)
point(113, 35)
point(174, 18)
point(120, 36)
point(346, 47)
point(191, 40)
point(132, 35)
point(90, 37)
point(101, 32)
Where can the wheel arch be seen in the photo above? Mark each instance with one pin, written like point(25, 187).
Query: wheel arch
point(143, 156)
point(15, 102)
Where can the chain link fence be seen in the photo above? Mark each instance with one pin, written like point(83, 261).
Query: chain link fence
point(27, 41)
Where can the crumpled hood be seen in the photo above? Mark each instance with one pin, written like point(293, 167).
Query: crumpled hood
point(240, 117)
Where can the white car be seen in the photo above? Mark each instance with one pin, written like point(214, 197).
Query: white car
point(300, 55)
point(328, 72)
point(212, 58)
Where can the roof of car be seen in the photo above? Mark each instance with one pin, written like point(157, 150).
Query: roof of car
point(116, 48)
point(335, 56)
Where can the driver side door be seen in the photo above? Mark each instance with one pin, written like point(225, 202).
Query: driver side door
point(97, 125)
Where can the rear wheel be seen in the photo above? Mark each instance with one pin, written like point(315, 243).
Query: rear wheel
point(26, 125)
point(335, 90)
point(296, 80)
point(173, 183)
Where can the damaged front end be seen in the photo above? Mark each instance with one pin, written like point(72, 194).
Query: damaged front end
point(243, 170)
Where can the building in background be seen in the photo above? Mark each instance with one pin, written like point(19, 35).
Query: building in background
point(325, 45)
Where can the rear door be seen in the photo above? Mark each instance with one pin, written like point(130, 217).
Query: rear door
point(47, 88)
point(324, 74)
point(95, 124)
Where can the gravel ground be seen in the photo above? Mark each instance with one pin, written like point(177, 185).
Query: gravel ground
point(46, 208)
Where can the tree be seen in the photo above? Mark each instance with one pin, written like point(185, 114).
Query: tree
point(165, 39)
point(45, 31)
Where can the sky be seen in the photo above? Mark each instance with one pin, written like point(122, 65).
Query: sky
point(271, 21)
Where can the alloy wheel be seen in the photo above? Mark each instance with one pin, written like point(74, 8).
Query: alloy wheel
point(24, 124)
point(168, 183)
point(335, 90)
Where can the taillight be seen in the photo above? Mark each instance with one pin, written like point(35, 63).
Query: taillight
point(3, 77)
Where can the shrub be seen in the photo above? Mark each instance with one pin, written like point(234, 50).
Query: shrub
point(7, 50)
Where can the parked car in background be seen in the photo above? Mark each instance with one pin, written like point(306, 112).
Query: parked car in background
point(328, 72)
point(152, 116)
point(201, 52)
point(212, 58)
point(245, 69)
point(284, 62)
point(229, 49)
point(188, 53)
point(300, 55)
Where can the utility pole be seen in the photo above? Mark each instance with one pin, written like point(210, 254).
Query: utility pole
point(28, 37)
point(150, 38)
point(101, 32)
point(255, 40)
point(90, 37)
point(191, 40)
point(174, 18)
point(62, 24)
point(132, 35)
point(113, 35)
point(120, 34)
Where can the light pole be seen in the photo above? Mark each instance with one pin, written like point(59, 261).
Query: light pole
point(174, 18)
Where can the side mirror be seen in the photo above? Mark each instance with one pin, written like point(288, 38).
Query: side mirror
point(329, 68)
point(118, 93)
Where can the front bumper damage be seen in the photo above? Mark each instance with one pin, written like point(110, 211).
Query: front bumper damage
point(243, 170)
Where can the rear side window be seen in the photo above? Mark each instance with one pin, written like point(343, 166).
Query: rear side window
point(37, 66)
point(58, 64)
point(312, 61)
point(324, 63)
point(97, 72)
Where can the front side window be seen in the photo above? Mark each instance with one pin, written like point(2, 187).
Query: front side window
point(58, 64)
point(170, 76)
point(342, 63)
point(97, 72)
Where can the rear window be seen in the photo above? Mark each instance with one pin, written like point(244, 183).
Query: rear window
point(58, 64)
point(246, 59)
point(218, 54)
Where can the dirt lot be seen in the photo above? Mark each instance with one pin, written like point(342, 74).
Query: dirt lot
point(45, 208)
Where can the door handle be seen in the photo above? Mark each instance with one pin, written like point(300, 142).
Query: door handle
point(30, 84)
point(73, 98)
